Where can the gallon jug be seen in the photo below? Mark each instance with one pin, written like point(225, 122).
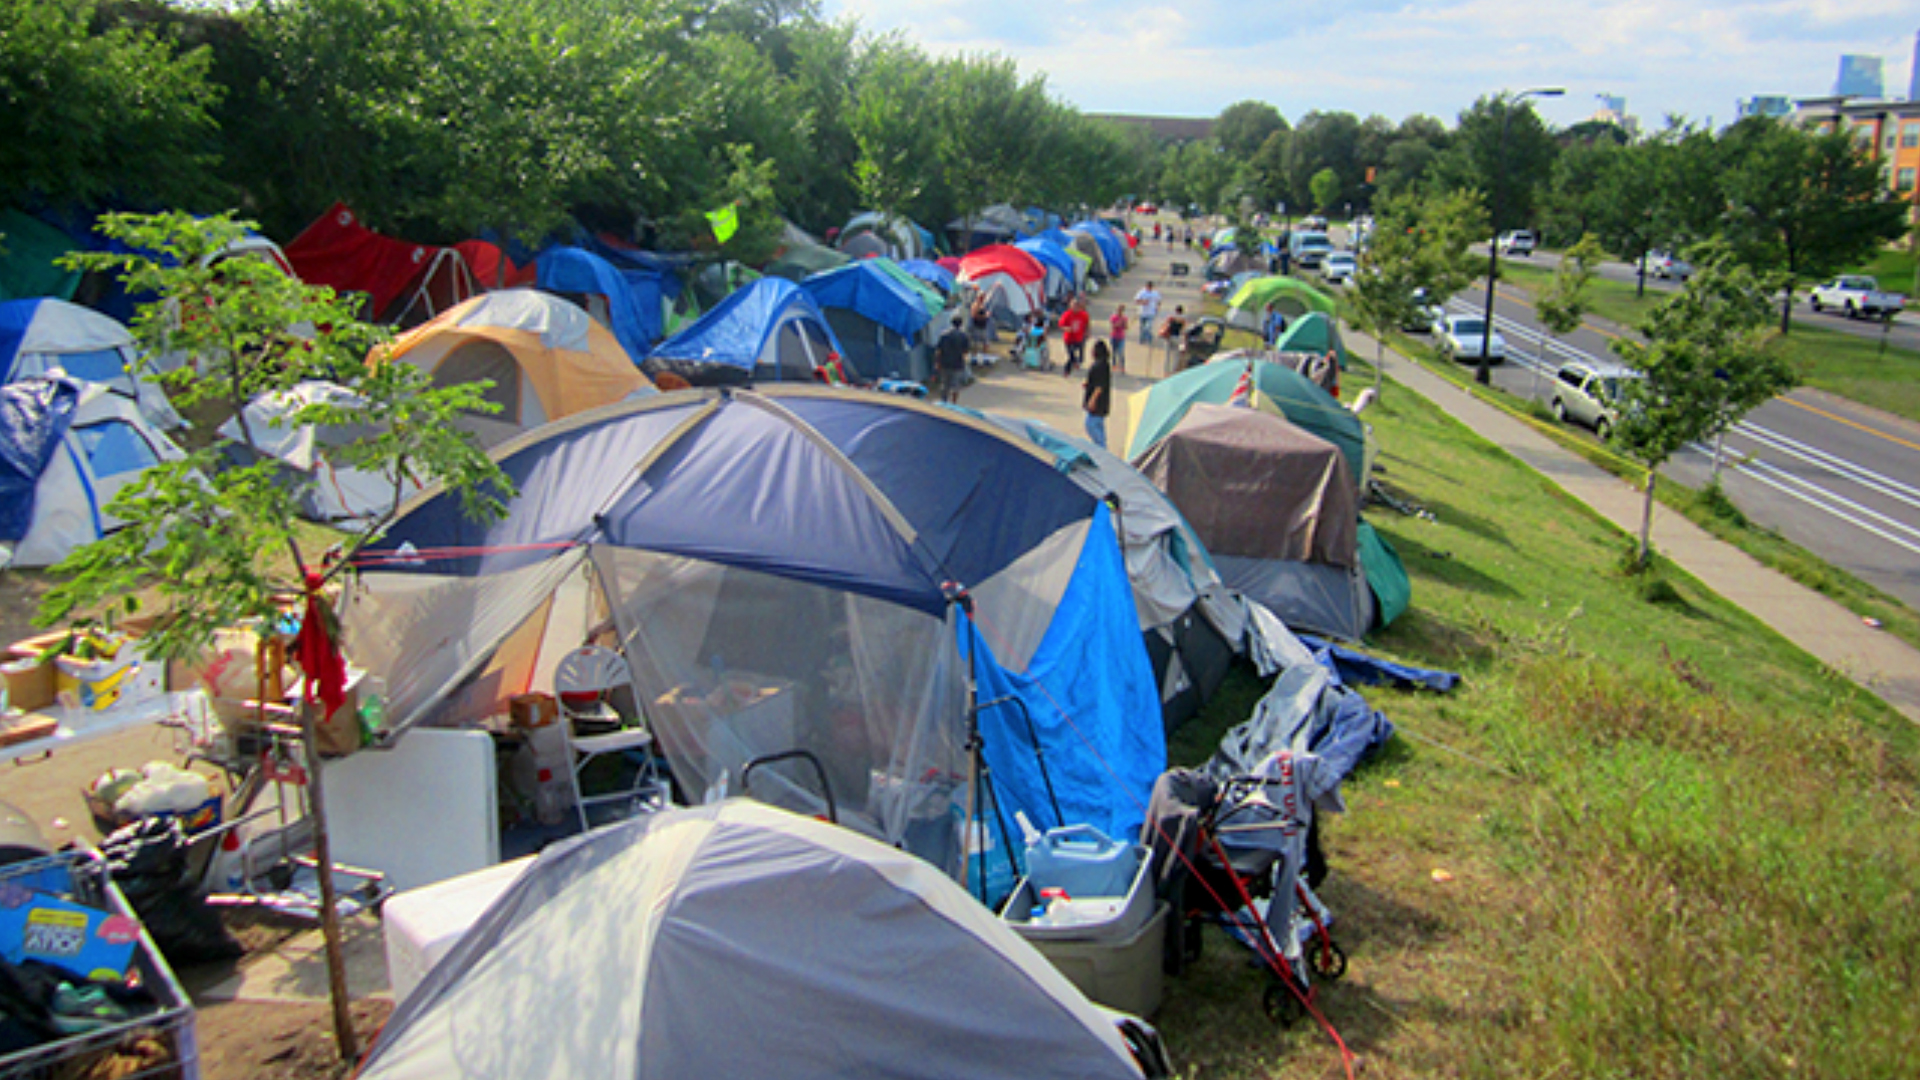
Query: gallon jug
point(1083, 861)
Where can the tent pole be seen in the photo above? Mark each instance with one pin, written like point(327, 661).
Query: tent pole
point(980, 781)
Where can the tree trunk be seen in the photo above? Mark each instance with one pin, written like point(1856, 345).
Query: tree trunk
point(1719, 450)
point(1786, 310)
point(1646, 521)
point(343, 1034)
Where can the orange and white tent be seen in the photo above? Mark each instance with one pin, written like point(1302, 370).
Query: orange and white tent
point(544, 355)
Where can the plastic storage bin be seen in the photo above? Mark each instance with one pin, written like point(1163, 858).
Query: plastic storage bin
point(1108, 886)
point(1123, 974)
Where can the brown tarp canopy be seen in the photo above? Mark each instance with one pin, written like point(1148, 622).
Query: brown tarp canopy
point(1253, 485)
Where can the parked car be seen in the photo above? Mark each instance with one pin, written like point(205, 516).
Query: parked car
point(1314, 223)
point(1458, 337)
point(1517, 242)
point(1590, 395)
point(1857, 295)
point(1425, 314)
point(1667, 265)
point(1338, 267)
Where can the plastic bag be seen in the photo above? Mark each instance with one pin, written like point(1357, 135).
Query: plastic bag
point(148, 860)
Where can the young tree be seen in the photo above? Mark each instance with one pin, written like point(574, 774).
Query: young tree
point(1326, 190)
point(1803, 204)
point(1419, 255)
point(217, 543)
point(1705, 363)
point(1562, 304)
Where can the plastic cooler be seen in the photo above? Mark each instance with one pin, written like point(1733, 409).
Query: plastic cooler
point(1105, 888)
point(1124, 974)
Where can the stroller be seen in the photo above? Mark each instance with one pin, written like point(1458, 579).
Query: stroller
point(1244, 852)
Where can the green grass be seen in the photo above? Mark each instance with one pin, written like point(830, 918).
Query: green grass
point(1671, 843)
point(1853, 367)
point(1894, 269)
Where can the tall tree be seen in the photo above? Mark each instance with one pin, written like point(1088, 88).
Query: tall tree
point(1243, 126)
point(91, 114)
point(1324, 141)
point(1705, 363)
point(1801, 203)
point(1503, 149)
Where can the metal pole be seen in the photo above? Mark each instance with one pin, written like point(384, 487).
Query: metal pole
point(1483, 373)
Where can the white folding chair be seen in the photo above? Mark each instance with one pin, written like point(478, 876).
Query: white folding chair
point(581, 683)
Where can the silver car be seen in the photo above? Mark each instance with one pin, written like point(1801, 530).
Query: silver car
point(1591, 395)
point(1458, 337)
point(1337, 268)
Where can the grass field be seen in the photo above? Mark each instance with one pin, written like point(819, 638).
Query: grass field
point(1647, 837)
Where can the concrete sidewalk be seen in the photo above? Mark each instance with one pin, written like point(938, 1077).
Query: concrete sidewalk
point(1878, 661)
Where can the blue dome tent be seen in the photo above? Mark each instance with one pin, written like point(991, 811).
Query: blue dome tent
point(771, 330)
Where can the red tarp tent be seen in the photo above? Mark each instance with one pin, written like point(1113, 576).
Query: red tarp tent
point(407, 283)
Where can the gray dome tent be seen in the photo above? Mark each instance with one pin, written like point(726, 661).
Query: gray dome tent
point(737, 940)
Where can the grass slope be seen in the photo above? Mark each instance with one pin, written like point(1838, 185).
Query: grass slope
point(1647, 837)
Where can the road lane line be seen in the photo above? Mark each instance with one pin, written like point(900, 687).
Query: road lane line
point(1838, 419)
point(1753, 471)
point(1833, 463)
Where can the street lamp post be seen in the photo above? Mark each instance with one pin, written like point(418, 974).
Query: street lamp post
point(1483, 374)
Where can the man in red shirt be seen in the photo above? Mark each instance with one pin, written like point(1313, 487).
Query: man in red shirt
point(1073, 331)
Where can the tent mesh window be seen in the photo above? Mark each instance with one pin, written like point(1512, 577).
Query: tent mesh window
point(115, 447)
point(732, 665)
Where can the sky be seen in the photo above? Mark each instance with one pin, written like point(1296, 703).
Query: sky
point(1400, 57)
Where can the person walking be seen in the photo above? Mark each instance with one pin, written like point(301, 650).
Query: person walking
point(1149, 301)
point(1096, 395)
point(982, 316)
point(1174, 330)
point(1073, 332)
point(1117, 336)
point(950, 361)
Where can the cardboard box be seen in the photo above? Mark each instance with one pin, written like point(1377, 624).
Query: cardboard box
point(533, 710)
point(29, 685)
point(85, 940)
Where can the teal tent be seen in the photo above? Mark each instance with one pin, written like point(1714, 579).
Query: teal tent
point(28, 248)
point(1312, 333)
point(1277, 389)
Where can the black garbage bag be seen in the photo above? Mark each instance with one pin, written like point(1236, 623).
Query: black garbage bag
point(148, 860)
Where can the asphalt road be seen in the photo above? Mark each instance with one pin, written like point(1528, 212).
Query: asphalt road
point(1904, 333)
point(1835, 477)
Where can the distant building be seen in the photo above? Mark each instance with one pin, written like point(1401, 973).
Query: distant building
point(1775, 105)
point(1859, 77)
point(1888, 131)
point(1170, 128)
point(1913, 77)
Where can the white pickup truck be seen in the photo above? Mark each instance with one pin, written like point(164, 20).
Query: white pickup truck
point(1857, 295)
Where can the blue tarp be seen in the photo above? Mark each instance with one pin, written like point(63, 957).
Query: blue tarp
point(1356, 668)
point(34, 415)
point(739, 332)
point(1112, 248)
point(633, 297)
point(1307, 707)
point(1090, 684)
point(1050, 255)
point(930, 272)
point(871, 293)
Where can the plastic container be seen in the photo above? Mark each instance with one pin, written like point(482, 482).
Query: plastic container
point(1114, 900)
point(1123, 974)
point(1083, 861)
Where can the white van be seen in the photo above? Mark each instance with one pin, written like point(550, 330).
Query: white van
point(1307, 248)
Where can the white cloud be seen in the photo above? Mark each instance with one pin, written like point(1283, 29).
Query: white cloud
point(1398, 57)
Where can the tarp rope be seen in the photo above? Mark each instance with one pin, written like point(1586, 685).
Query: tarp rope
point(410, 556)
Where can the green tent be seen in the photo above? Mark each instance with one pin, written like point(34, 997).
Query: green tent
point(929, 296)
point(1277, 389)
point(1312, 333)
point(1291, 296)
point(28, 248)
point(1386, 576)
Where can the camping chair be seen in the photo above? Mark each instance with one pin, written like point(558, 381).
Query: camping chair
point(582, 682)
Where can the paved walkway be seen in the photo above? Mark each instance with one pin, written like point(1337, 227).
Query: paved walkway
point(1878, 661)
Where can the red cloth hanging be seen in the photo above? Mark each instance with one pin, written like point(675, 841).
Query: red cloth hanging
point(318, 656)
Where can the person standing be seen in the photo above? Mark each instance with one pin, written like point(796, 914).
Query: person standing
point(1149, 301)
point(1117, 336)
point(1275, 326)
point(1096, 395)
point(950, 361)
point(1175, 331)
point(982, 315)
point(1073, 331)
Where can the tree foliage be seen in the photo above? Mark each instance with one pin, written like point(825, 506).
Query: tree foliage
point(1706, 362)
point(1502, 149)
point(216, 541)
point(88, 115)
